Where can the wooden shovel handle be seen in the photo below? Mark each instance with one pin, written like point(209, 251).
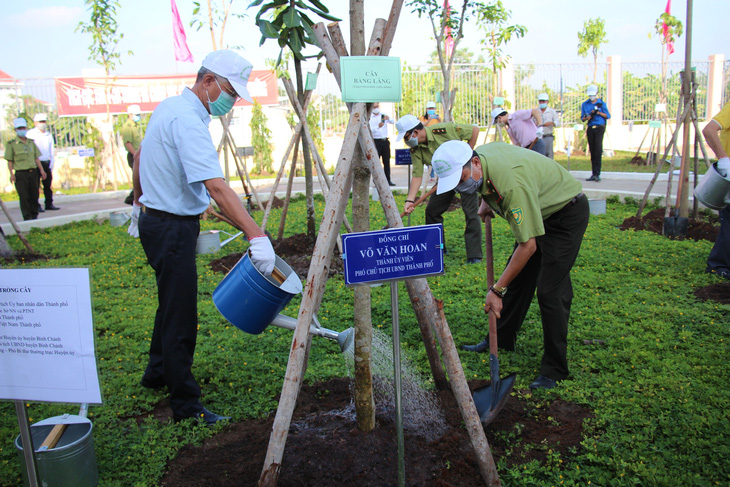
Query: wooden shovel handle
point(489, 255)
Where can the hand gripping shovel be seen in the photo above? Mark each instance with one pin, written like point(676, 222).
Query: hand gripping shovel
point(490, 399)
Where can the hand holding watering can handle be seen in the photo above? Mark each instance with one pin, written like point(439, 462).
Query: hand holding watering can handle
point(262, 254)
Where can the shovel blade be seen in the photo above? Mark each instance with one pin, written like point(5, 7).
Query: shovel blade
point(490, 399)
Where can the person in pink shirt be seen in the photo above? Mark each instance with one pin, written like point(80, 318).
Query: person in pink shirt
point(523, 126)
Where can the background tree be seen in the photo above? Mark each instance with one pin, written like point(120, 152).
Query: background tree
point(103, 28)
point(493, 19)
point(292, 28)
point(260, 137)
point(668, 28)
point(591, 38)
point(215, 17)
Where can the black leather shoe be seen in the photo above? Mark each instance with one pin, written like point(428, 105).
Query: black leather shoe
point(40, 209)
point(480, 347)
point(543, 382)
point(153, 384)
point(52, 207)
point(592, 178)
point(204, 415)
point(391, 183)
point(598, 178)
point(473, 260)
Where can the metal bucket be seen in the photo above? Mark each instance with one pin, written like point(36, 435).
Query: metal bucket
point(118, 218)
point(251, 301)
point(72, 463)
point(209, 242)
point(597, 206)
point(714, 190)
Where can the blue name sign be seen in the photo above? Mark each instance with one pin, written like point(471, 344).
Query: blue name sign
point(86, 152)
point(402, 157)
point(393, 254)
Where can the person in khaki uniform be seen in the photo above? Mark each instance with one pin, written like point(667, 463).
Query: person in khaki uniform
point(548, 215)
point(24, 165)
point(132, 139)
point(423, 141)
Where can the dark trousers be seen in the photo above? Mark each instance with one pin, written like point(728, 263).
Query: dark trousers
point(595, 144)
point(383, 147)
point(437, 206)
point(47, 191)
point(26, 184)
point(169, 244)
point(719, 259)
point(548, 271)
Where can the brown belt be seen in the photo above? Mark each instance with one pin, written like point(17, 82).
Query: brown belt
point(531, 145)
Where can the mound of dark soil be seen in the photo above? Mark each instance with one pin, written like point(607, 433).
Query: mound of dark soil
point(324, 447)
point(22, 258)
point(703, 228)
point(295, 250)
point(715, 292)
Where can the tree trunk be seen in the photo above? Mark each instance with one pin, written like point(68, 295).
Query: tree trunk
point(308, 183)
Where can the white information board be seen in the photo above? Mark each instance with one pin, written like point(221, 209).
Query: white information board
point(47, 336)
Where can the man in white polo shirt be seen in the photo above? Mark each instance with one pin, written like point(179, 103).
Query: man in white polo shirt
point(44, 141)
point(176, 172)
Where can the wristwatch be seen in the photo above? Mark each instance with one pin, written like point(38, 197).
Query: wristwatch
point(498, 290)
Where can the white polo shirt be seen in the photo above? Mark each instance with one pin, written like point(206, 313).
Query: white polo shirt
point(178, 156)
point(379, 132)
point(44, 142)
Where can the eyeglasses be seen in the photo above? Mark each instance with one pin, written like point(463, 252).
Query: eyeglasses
point(223, 88)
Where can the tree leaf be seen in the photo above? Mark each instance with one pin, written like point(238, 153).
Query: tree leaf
point(292, 18)
point(268, 30)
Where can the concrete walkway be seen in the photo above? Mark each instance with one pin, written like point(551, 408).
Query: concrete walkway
point(99, 205)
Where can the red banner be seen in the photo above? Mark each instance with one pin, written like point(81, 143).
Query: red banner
point(85, 96)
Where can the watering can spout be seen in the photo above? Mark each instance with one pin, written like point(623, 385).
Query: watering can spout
point(345, 339)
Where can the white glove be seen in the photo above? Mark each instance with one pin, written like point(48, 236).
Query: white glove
point(539, 133)
point(262, 254)
point(723, 166)
point(133, 230)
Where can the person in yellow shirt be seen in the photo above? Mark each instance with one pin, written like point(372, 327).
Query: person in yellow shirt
point(132, 139)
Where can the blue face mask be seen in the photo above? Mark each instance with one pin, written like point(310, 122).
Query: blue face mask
point(412, 141)
point(136, 118)
point(431, 111)
point(222, 105)
point(542, 106)
point(21, 132)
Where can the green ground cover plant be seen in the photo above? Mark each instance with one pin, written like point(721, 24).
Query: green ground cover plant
point(657, 386)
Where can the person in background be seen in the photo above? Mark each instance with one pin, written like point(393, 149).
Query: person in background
point(717, 135)
point(595, 112)
point(131, 138)
point(548, 215)
point(44, 140)
point(523, 127)
point(379, 127)
point(176, 172)
point(549, 122)
point(423, 141)
point(427, 119)
point(24, 166)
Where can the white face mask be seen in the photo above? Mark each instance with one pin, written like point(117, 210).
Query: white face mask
point(376, 111)
point(42, 126)
point(592, 98)
point(412, 142)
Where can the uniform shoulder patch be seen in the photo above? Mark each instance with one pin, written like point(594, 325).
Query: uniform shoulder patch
point(517, 215)
point(439, 131)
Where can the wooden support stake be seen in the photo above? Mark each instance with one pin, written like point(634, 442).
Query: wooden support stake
point(289, 185)
point(53, 437)
point(16, 228)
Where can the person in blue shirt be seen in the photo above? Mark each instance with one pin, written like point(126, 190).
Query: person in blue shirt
point(595, 112)
point(176, 173)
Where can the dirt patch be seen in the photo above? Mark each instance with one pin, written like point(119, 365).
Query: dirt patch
point(22, 258)
point(295, 250)
point(324, 447)
point(703, 228)
point(455, 204)
point(716, 292)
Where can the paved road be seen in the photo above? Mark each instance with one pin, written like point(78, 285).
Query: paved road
point(100, 205)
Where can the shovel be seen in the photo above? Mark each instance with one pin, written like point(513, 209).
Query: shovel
point(490, 399)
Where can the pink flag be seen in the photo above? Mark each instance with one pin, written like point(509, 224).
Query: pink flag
point(182, 53)
point(665, 30)
point(449, 42)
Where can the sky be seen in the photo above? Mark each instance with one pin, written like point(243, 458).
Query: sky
point(41, 41)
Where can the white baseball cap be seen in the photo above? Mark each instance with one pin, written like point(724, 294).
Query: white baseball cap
point(231, 66)
point(448, 161)
point(592, 90)
point(404, 124)
point(497, 112)
point(19, 122)
point(543, 97)
point(133, 110)
point(431, 104)
point(40, 117)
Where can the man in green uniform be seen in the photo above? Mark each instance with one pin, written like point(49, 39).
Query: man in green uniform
point(24, 165)
point(548, 215)
point(132, 138)
point(423, 141)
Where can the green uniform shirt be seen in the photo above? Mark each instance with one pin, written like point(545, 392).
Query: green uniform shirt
point(436, 135)
point(524, 186)
point(130, 133)
point(22, 154)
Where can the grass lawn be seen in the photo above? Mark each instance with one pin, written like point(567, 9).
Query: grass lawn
point(658, 388)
